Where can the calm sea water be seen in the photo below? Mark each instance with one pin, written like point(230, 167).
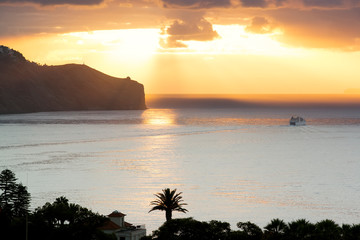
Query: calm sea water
point(231, 164)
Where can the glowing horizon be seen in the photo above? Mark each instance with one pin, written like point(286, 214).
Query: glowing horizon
point(232, 47)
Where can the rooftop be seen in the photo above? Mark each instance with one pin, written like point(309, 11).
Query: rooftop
point(116, 214)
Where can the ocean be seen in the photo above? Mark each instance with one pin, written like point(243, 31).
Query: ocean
point(236, 163)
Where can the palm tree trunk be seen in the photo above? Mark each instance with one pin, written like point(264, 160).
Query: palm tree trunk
point(168, 214)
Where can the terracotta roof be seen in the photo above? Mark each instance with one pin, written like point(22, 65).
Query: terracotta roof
point(116, 214)
point(126, 224)
point(109, 225)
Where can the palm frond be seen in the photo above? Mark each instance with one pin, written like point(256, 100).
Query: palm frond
point(168, 200)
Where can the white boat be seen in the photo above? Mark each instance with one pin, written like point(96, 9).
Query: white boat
point(297, 121)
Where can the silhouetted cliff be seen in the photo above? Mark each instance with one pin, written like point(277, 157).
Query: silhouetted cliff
point(29, 87)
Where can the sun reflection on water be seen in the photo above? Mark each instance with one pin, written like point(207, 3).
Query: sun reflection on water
point(159, 117)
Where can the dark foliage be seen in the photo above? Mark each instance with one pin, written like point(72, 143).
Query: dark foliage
point(14, 197)
point(248, 231)
point(350, 232)
point(64, 220)
point(168, 201)
point(58, 220)
point(300, 229)
point(190, 229)
point(10, 56)
point(14, 206)
point(327, 230)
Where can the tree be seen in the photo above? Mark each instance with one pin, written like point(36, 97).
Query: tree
point(275, 229)
point(168, 201)
point(14, 206)
point(327, 230)
point(218, 230)
point(191, 229)
point(21, 201)
point(350, 232)
point(249, 231)
point(14, 199)
point(300, 229)
point(7, 185)
point(64, 220)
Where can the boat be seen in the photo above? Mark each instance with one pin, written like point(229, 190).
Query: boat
point(297, 121)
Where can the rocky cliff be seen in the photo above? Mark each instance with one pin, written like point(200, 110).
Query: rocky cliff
point(29, 87)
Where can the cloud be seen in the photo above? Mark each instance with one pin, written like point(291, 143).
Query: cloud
point(259, 25)
point(196, 4)
point(355, 2)
point(306, 23)
point(323, 3)
point(180, 30)
point(299, 4)
point(25, 19)
point(280, 2)
point(199, 31)
point(56, 2)
point(254, 3)
point(319, 28)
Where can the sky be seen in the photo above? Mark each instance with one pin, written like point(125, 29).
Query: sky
point(196, 46)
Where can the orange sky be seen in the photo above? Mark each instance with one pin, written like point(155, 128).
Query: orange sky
point(196, 46)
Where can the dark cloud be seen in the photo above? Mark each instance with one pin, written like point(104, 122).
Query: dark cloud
point(318, 28)
point(323, 3)
point(197, 4)
point(179, 31)
point(307, 23)
point(55, 2)
point(280, 2)
point(28, 20)
point(254, 3)
point(259, 25)
point(199, 31)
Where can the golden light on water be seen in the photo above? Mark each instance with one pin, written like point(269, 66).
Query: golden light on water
point(159, 117)
point(160, 121)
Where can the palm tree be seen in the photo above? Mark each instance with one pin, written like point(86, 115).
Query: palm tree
point(327, 229)
point(168, 201)
point(276, 226)
point(275, 229)
point(350, 232)
point(300, 229)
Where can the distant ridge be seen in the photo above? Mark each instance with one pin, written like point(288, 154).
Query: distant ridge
point(28, 87)
point(253, 101)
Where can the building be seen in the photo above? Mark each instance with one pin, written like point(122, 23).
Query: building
point(121, 229)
